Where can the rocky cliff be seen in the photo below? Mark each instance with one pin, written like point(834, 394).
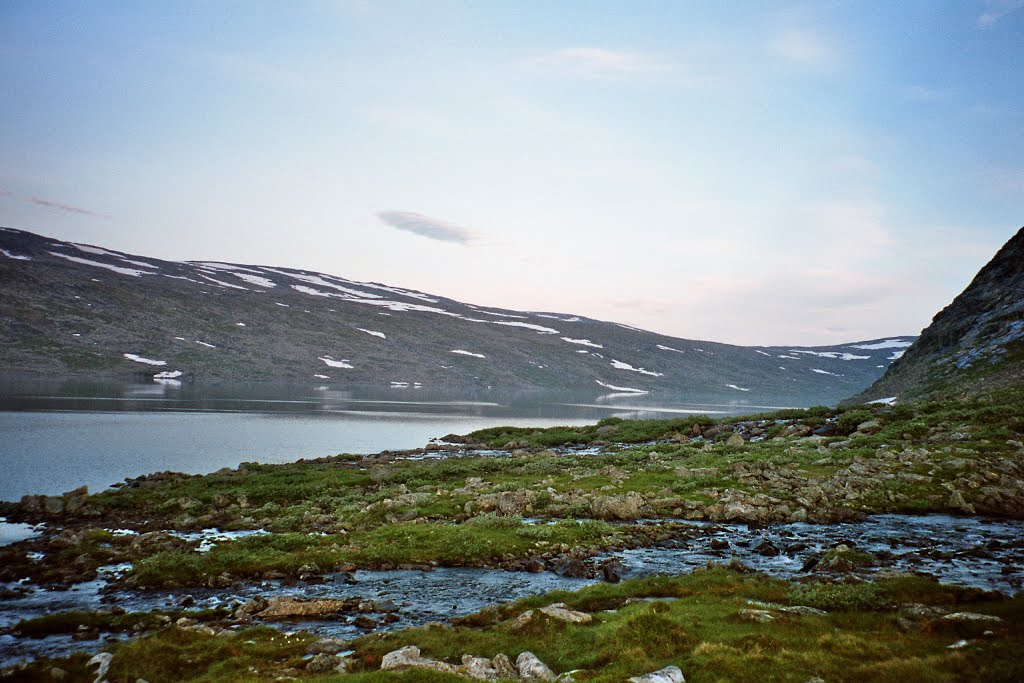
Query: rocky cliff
point(973, 345)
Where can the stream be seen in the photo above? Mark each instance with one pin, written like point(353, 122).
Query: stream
point(972, 551)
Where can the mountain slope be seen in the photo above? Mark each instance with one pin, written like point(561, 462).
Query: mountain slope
point(973, 345)
point(84, 310)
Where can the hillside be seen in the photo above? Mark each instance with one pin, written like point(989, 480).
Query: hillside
point(86, 311)
point(972, 346)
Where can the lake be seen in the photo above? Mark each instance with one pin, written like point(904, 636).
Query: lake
point(56, 436)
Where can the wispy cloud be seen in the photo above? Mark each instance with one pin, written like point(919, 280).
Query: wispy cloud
point(995, 10)
point(50, 204)
point(425, 226)
point(598, 62)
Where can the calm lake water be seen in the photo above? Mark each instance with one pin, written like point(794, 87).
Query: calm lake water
point(58, 436)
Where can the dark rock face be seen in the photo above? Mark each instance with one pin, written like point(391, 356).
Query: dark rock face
point(974, 344)
point(71, 309)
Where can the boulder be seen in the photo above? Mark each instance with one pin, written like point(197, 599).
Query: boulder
point(670, 674)
point(613, 570)
point(322, 663)
point(504, 666)
point(327, 646)
point(478, 668)
point(291, 608)
point(101, 661)
point(734, 440)
point(409, 657)
point(804, 611)
point(625, 506)
point(869, 427)
point(570, 567)
point(558, 611)
point(758, 615)
point(532, 668)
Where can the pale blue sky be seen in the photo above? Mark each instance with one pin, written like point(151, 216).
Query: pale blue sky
point(748, 172)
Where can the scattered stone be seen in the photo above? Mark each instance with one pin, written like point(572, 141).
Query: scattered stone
point(327, 646)
point(479, 668)
point(804, 611)
point(504, 666)
point(101, 660)
point(613, 571)
point(290, 608)
point(558, 611)
point(409, 657)
point(972, 618)
point(532, 668)
point(322, 663)
point(757, 615)
point(363, 621)
point(734, 440)
point(670, 674)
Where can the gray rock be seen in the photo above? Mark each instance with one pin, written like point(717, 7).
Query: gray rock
point(670, 674)
point(532, 668)
point(478, 668)
point(504, 666)
point(322, 663)
point(409, 658)
point(759, 615)
point(101, 660)
point(327, 646)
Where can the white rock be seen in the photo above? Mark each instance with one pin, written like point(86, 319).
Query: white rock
point(102, 659)
point(532, 668)
point(670, 674)
point(478, 668)
point(409, 658)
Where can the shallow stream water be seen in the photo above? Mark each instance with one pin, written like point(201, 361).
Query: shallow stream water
point(971, 551)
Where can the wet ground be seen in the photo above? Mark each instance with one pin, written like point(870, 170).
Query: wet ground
point(971, 551)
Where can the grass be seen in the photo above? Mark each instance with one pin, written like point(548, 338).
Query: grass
point(692, 621)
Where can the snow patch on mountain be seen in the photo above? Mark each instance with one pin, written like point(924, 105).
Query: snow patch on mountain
point(222, 283)
point(841, 355)
point(16, 257)
point(257, 280)
point(330, 362)
point(619, 365)
point(629, 390)
point(147, 361)
point(117, 269)
point(463, 352)
point(375, 333)
point(582, 342)
point(887, 344)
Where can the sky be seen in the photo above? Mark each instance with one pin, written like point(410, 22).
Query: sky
point(745, 172)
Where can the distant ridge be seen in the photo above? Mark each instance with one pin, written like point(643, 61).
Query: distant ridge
point(974, 345)
point(81, 310)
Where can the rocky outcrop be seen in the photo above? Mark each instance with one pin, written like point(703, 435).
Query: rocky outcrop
point(670, 674)
point(527, 666)
point(559, 611)
point(980, 336)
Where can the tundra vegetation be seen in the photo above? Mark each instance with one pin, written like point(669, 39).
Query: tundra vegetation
point(476, 505)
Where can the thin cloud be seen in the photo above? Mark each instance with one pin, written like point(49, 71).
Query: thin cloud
point(598, 62)
point(995, 10)
point(49, 203)
point(425, 226)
